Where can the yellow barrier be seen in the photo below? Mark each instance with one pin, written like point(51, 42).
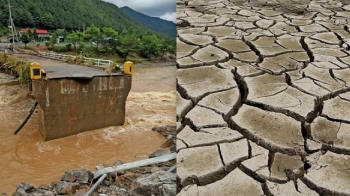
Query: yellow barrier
point(35, 71)
point(129, 67)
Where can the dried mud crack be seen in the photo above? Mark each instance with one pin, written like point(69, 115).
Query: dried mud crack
point(264, 93)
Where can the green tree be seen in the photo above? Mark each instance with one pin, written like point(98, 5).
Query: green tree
point(87, 37)
point(61, 32)
point(151, 45)
point(171, 49)
point(29, 32)
point(48, 20)
point(55, 14)
point(109, 32)
point(110, 37)
point(95, 33)
point(75, 38)
point(25, 38)
point(4, 30)
point(128, 42)
point(53, 39)
point(35, 35)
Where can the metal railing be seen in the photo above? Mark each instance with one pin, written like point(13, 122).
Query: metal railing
point(97, 62)
point(102, 173)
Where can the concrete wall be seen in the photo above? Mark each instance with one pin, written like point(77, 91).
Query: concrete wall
point(68, 106)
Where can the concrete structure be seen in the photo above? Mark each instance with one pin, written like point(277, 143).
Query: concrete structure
point(73, 103)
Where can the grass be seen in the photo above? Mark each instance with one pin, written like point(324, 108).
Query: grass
point(28, 48)
point(15, 66)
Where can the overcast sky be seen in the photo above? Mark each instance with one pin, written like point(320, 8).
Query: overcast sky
point(165, 9)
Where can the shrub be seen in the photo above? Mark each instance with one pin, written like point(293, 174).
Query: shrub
point(69, 47)
point(79, 60)
point(70, 59)
point(60, 49)
point(47, 44)
point(29, 48)
point(82, 48)
point(16, 66)
point(102, 50)
point(90, 63)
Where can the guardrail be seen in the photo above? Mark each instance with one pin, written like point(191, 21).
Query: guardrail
point(102, 173)
point(97, 62)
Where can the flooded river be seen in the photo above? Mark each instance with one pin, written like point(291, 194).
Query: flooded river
point(26, 157)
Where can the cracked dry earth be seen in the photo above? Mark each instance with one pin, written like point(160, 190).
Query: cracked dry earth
point(263, 98)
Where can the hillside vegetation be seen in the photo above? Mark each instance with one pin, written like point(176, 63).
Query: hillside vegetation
point(111, 30)
point(153, 23)
point(66, 14)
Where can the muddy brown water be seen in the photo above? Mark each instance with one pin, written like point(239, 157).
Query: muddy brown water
point(26, 157)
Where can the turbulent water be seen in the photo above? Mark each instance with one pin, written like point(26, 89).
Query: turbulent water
point(26, 157)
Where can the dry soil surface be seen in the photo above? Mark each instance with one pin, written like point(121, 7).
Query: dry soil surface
point(263, 98)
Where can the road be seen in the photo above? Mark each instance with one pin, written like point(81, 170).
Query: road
point(146, 78)
point(2, 45)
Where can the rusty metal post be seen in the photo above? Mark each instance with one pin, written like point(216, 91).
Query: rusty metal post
point(30, 86)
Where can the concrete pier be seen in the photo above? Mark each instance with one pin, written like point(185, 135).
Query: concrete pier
point(74, 99)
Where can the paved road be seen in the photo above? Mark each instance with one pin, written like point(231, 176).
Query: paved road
point(146, 78)
point(3, 45)
point(59, 69)
point(263, 98)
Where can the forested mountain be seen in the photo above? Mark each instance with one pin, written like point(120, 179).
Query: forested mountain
point(68, 14)
point(154, 23)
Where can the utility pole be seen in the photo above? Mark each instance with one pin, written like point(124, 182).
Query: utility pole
point(11, 26)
